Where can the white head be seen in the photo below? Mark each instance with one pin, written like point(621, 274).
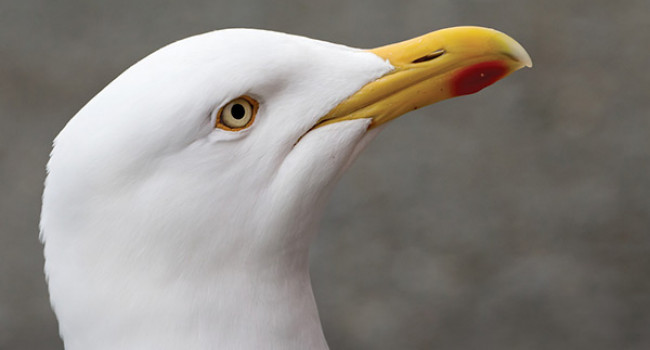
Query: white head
point(164, 228)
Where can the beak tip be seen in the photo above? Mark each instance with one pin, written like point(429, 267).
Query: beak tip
point(527, 62)
point(518, 53)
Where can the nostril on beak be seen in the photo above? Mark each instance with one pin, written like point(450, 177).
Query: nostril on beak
point(429, 57)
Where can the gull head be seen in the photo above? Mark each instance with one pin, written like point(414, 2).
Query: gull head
point(180, 202)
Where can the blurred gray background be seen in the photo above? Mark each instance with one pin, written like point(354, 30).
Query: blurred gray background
point(517, 218)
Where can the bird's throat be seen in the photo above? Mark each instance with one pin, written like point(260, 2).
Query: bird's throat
point(241, 306)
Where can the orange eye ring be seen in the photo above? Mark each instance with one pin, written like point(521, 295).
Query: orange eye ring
point(237, 114)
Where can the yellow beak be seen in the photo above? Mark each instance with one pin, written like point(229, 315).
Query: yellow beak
point(430, 68)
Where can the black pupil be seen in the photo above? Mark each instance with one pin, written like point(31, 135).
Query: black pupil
point(238, 111)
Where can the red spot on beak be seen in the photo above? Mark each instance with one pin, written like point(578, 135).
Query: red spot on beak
point(474, 78)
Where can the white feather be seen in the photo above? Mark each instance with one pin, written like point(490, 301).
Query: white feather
point(162, 232)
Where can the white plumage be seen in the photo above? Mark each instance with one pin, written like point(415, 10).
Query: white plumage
point(162, 232)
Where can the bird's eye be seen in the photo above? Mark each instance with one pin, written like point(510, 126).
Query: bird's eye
point(238, 114)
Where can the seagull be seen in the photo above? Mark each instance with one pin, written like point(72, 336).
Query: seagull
point(180, 202)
